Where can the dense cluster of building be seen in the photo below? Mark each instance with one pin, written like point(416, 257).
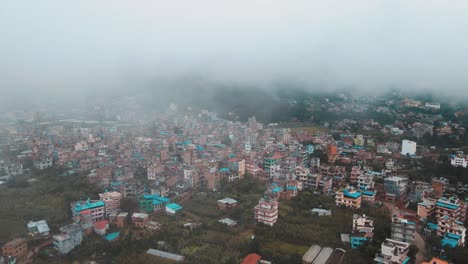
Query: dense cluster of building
point(173, 154)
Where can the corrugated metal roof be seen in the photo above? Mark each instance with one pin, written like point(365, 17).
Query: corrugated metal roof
point(323, 256)
point(310, 255)
point(166, 255)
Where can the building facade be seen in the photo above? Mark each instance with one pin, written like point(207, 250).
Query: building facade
point(266, 212)
point(111, 201)
point(348, 197)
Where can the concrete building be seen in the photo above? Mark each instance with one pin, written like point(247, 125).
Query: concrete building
point(426, 208)
point(237, 166)
point(266, 212)
point(368, 197)
point(365, 182)
point(363, 230)
point(408, 147)
point(173, 208)
point(348, 197)
point(451, 207)
point(111, 201)
point(44, 163)
point(96, 209)
point(393, 252)
point(227, 203)
point(459, 160)
point(356, 172)
point(448, 225)
point(39, 229)
point(403, 230)
point(396, 187)
point(18, 247)
point(70, 237)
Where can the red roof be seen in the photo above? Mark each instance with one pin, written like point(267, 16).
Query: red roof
point(101, 224)
point(252, 259)
point(277, 155)
point(84, 212)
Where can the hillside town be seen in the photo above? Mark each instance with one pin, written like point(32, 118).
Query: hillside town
point(193, 174)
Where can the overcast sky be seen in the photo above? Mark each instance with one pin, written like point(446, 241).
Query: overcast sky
point(70, 47)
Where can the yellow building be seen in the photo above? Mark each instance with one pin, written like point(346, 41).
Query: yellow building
point(348, 197)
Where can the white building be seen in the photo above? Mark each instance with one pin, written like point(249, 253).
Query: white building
point(432, 106)
point(248, 147)
point(365, 182)
point(43, 163)
point(459, 160)
point(408, 147)
point(392, 252)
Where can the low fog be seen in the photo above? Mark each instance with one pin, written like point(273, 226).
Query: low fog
point(73, 49)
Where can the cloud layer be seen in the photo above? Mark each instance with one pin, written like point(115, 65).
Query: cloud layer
point(69, 48)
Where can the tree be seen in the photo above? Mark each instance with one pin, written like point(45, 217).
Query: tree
point(128, 205)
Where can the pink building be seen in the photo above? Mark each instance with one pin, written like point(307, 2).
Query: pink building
point(355, 173)
point(266, 212)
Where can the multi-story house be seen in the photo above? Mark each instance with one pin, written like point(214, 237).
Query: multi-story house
point(451, 207)
point(459, 160)
point(365, 182)
point(348, 197)
point(153, 171)
point(16, 248)
point(403, 230)
point(363, 230)
point(111, 201)
point(427, 207)
point(43, 163)
point(356, 172)
point(452, 230)
point(393, 252)
point(96, 209)
point(70, 237)
point(266, 211)
point(238, 166)
point(395, 187)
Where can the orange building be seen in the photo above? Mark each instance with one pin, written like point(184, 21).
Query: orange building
point(15, 248)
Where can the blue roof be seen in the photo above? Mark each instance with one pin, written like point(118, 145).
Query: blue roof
point(156, 198)
point(112, 236)
point(200, 148)
point(277, 189)
point(87, 205)
point(406, 260)
point(232, 155)
point(291, 188)
point(174, 206)
point(353, 195)
point(369, 193)
point(161, 199)
point(431, 226)
point(453, 236)
point(449, 242)
point(445, 205)
point(224, 170)
point(357, 241)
